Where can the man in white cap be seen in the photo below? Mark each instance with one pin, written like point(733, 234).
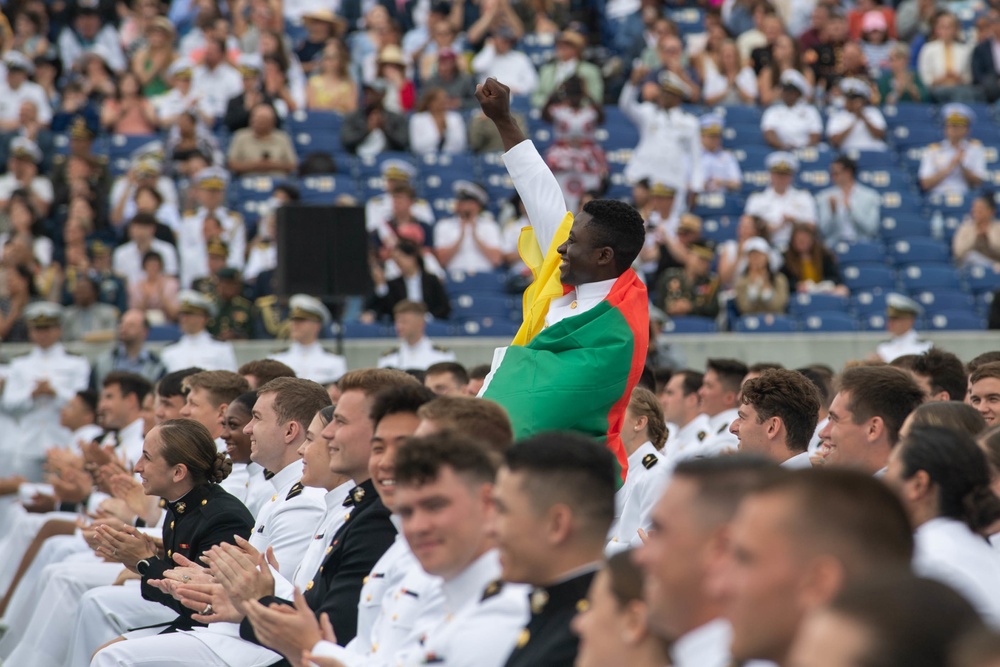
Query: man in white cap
point(22, 174)
point(958, 164)
point(415, 351)
point(38, 385)
point(900, 316)
point(722, 170)
point(306, 356)
point(471, 241)
point(859, 126)
point(210, 193)
point(181, 98)
point(380, 209)
point(782, 205)
point(21, 89)
point(145, 169)
point(196, 347)
point(665, 129)
point(792, 123)
point(847, 210)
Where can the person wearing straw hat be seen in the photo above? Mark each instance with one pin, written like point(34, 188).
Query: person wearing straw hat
point(958, 164)
point(901, 313)
point(39, 384)
point(859, 126)
point(665, 129)
point(570, 44)
point(306, 356)
point(322, 26)
point(22, 174)
point(781, 205)
point(391, 68)
point(196, 348)
point(722, 170)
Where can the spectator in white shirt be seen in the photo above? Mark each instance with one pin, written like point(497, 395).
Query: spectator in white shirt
point(87, 35)
point(945, 64)
point(434, 128)
point(22, 174)
point(127, 258)
point(20, 89)
point(215, 80)
point(792, 123)
point(847, 210)
point(859, 126)
point(499, 60)
point(782, 205)
point(470, 241)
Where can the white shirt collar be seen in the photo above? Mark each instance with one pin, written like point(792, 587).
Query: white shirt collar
point(335, 497)
point(469, 584)
point(299, 348)
point(798, 462)
point(705, 646)
point(132, 431)
point(598, 290)
point(198, 338)
point(287, 476)
point(636, 457)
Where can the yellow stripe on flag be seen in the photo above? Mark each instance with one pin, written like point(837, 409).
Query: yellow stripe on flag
point(546, 284)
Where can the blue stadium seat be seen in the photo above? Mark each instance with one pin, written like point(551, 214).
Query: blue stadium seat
point(373, 166)
point(908, 113)
point(715, 204)
point(465, 307)
point(741, 114)
point(870, 160)
point(719, 230)
point(829, 322)
point(955, 320)
point(982, 279)
point(952, 203)
point(490, 282)
point(362, 330)
point(316, 141)
point(899, 226)
point(884, 178)
point(861, 251)
point(984, 303)
point(873, 322)
point(866, 303)
point(164, 333)
point(325, 189)
point(766, 324)
point(918, 251)
point(307, 121)
point(688, 325)
point(808, 304)
point(914, 278)
point(441, 329)
point(938, 300)
point(752, 157)
point(906, 136)
point(866, 277)
point(899, 202)
point(487, 327)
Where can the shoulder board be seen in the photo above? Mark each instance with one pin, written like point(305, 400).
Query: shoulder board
point(412, 594)
point(702, 435)
point(420, 201)
point(394, 350)
point(649, 460)
point(440, 349)
point(975, 142)
point(492, 590)
point(243, 301)
point(190, 213)
point(266, 301)
point(934, 145)
point(100, 159)
point(235, 214)
point(296, 490)
point(280, 350)
point(59, 159)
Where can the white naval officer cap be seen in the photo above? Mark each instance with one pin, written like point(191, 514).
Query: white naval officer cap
point(305, 307)
point(468, 190)
point(41, 314)
point(854, 87)
point(795, 79)
point(196, 303)
point(17, 60)
point(898, 305)
point(957, 113)
point(756, 244)
point(212, 178)
point(25, 149)
point(674, 84)
point(398, 170)
point(782, 162)
point(712, 124)
point(182, 68)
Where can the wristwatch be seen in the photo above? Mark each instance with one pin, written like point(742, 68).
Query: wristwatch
point(141, 567)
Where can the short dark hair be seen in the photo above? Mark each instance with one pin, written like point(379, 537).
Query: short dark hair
point(296, 399)
point(911, 620)
point(479, 372)
point(266, 370)
point(954, 415)
point(456, 369)
point(485, 419)
point(129, 383)
point(847, 163)
point(406, 398)
point(245, 401)
point(618, 226)
point(568, 468)
point(729, 371)
point(172, 384)
point(822, 382)
point(982, 359)
point(945, 372)
point(221, 386)
point(692, 380)
point(723, 481)
point(848, 513)
point(152, 254)
point(959, 469)
point(143, 219)
point(790, 396)
point(881, 391)
point(420, 460)
point(988, 198)
point(984, 371)
point(89, 398)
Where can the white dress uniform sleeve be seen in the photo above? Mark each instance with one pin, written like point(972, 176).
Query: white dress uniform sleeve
point(17, 390)
point(637, 112)
point(76, 379)
point(696, 179)
point(975, 159)
point(227, 358)
point(540, 192)
point(289, 527)
point(815, 121)
point(806, 207)
point(927, 168)
point(770, 120)
point(839, 121)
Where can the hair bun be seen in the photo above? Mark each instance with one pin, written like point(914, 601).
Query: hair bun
point(221, 468)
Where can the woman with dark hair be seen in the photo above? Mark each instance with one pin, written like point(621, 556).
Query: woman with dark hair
point(943, 479)
point(614, 625)
point(156, 292)
point(787, 55)
point(180, 463)
point(413, 284)
point(128, 112)
point(809, 265)
point(20, 292)
point(26, 227)
point(434, 128)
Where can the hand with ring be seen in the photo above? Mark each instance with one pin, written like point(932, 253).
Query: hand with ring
point(207, 611)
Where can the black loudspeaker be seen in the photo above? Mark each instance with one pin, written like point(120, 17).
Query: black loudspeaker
point(322, 251)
